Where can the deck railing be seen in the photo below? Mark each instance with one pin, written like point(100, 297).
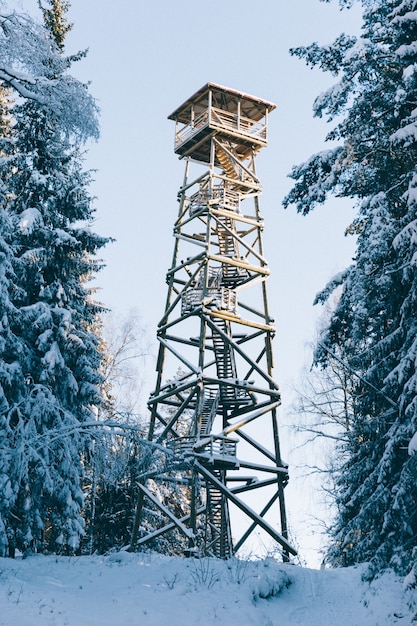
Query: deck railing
point(216, 447)
point(211, 448)
point(237, 123)
point(218, 297)
point(218, 118)
point(185, 133)
point(218, 195)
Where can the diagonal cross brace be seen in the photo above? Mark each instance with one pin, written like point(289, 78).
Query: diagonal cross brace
point(187, 531)
point(246, 509)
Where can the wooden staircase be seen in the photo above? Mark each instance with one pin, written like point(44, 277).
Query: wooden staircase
point(225, 363)
point(229, 168)
point(234, 170)
point(208, 410)
point(232, 276)
point(219, 540)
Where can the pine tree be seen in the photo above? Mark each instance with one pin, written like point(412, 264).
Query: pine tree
point(56, 384)
point(11, 346)
point(10, 349)
point(55, 20)
point(373, 160)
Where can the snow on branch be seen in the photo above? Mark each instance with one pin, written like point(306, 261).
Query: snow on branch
point(335, 282)
point(315, 179)
point(409, 16)
point(407, 135)
point(412, 446)
point(10, 78)
point(32, 65)
point(408, 235)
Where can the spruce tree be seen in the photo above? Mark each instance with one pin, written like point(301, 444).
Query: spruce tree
point(56, 384)
point(10, 349)
point(11, 345)
point(373, 161)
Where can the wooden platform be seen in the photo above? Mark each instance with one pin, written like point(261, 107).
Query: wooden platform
point(215, 110)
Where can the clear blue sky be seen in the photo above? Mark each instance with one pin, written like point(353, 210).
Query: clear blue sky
point(146, 58)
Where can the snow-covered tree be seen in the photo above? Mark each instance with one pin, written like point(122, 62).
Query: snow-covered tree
point(52, 381)
point(111, 486)
point(10, 349)
point(117, 456)
point(373, 159)
point(124, 352)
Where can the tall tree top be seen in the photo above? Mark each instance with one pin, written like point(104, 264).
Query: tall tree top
point(55, 20)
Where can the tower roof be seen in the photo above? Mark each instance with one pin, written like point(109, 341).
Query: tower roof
point(252, 107)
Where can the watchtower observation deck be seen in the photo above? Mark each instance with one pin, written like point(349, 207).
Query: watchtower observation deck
point(216, 111)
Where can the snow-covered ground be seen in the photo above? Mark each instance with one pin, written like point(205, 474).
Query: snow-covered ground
point(148, 589)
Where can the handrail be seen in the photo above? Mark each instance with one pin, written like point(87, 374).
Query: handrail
point(210, 447)
point(244, 126)
point(188, 131)
point(217, 195)
point(216, 446)
point(218, 297)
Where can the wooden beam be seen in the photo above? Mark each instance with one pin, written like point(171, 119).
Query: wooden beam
point(186, 531)
point(246, 509)
point(165, 529)
point(252, 527)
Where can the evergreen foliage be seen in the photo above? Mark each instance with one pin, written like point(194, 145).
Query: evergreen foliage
point(49, 348)
point(373, 159)
point(55, 20)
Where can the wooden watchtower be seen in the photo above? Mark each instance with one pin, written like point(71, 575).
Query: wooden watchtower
point(214, 425)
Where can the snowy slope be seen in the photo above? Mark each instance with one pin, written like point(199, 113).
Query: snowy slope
point(143, 589)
